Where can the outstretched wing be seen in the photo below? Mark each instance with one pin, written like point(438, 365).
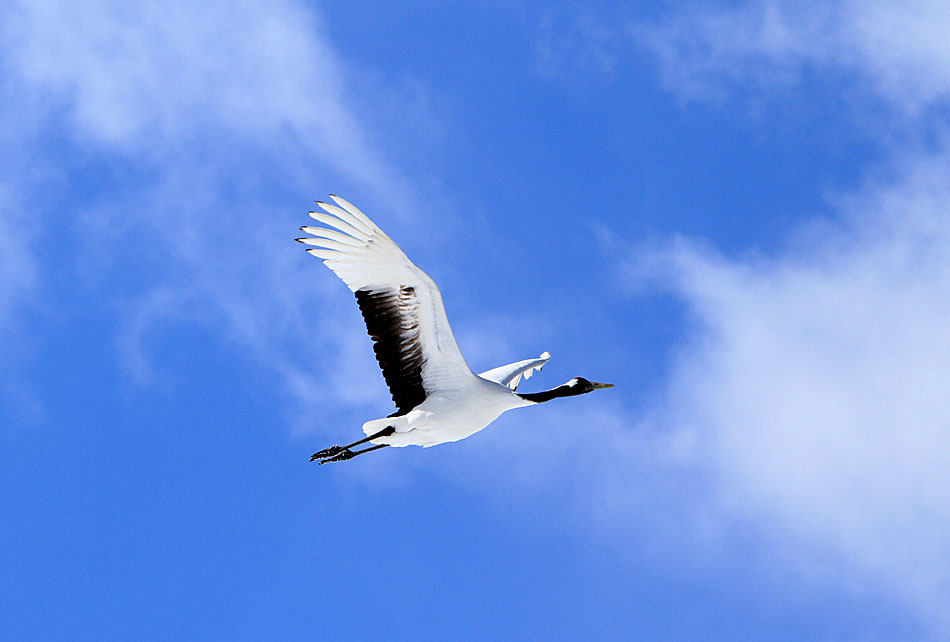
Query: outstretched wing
point(401, 304)
point(511, 374)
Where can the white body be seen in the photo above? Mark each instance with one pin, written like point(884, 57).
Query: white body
point(448, 415)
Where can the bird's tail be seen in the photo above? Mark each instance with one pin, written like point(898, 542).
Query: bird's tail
point(375, 425)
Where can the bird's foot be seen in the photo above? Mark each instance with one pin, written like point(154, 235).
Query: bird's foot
point(342, 455)
point(327, 452)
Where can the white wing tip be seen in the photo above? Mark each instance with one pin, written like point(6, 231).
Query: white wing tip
point(342, 202)
point(545, 355)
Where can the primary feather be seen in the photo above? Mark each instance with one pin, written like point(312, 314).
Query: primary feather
point(401, 305)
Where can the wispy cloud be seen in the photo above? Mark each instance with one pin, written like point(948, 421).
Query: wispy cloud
point(193, 111)
point(811, 396)
point(882, 55)
point(897, 50)
point(148, 79)
point(815, 384)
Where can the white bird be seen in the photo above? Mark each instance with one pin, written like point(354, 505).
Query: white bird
point(438, 397)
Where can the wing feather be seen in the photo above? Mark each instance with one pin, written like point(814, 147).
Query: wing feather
point(401, 304)
point(340, 225)
point(355, 211)
point(511, 374)
point(330, 234)
point(346, 217)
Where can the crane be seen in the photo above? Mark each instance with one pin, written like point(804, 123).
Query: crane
point(438, 398)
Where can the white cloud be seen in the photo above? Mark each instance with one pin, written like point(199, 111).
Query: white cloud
point(898, 49)
point(195, 101)
point(815, 389)
point(146, 78)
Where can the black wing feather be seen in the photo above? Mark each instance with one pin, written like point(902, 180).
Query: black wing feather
point(392, 322)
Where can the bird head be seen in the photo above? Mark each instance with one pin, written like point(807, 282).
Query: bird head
point(580, 385)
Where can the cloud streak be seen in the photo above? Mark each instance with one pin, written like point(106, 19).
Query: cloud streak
point(201, 140)
point(144, 79)
point(814, 386)
point(898, 49)
point(812, 391)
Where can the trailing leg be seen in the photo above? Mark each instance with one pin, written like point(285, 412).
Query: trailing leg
point(333, 451)
point(350, 454)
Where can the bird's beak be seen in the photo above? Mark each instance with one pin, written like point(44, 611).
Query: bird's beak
point(601, 385)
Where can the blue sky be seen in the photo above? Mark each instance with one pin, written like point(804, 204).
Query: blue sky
point(737, 212)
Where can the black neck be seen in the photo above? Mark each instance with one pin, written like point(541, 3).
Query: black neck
point(548, 395)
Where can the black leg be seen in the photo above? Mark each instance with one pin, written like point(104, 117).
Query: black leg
point(327, 452)
point(350, 454)
point(333, 451)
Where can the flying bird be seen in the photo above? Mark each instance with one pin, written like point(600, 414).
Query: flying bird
point(438, 398)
